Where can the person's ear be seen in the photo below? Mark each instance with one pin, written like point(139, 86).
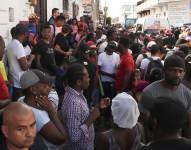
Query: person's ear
point(78, 82)
point(4, 130)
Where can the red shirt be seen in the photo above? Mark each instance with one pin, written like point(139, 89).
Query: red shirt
point(4, 92)
point(83, 26)
point(127, 64)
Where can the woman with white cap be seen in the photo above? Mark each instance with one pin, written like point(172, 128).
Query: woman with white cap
point(126, 133)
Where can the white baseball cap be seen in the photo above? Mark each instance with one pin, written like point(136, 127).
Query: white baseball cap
point(150, 44)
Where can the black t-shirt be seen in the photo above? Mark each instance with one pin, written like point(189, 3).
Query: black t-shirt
point(62, 42)
point(71, 40)
point(64, 45)
point(172, 144)
point(46, 52)
point(3, 145)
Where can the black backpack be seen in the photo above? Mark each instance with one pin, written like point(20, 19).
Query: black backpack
point(154, 70)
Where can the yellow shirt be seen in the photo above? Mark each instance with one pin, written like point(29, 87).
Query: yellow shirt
point(2, 70)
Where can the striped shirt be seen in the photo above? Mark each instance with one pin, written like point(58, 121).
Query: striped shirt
point(75, 112)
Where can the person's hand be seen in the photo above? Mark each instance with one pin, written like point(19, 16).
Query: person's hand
point(45, 104)
point(104, 103)
point(94, 113)
point(32, 56)
point(68, 53)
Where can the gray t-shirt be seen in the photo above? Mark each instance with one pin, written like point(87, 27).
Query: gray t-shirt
point(157, 90)
point(187, 83)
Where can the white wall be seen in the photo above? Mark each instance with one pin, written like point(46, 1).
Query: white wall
point(178, 12)
point(59, 4)
point(22, 10)
point(53, 4)
point(21, 13)
point(81, 9)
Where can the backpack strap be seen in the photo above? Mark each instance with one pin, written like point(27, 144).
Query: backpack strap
point(150, 59)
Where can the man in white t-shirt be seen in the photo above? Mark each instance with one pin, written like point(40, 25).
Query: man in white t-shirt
point(16, 57)
point(155, 55)
point(108, 62)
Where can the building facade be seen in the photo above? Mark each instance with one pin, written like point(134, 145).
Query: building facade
point(177, 12)
point(96, 12)
point(128, 13)
point(14, 11)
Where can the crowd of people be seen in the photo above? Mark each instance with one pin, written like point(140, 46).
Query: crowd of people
point(69, 86)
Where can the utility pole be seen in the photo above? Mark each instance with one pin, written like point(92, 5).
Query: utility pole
point(105, 12)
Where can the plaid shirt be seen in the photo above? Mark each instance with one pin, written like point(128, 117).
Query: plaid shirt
point(75, 112)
